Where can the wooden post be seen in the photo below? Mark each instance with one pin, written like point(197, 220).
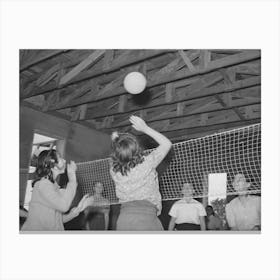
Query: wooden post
point(205, 189)
point(169, 92)
point(122, 103)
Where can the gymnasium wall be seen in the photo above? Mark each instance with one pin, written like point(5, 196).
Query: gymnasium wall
point(82, 143)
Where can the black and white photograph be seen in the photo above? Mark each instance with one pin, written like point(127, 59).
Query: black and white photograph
point(140, 140)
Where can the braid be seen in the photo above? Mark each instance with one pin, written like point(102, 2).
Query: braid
point(46, 161)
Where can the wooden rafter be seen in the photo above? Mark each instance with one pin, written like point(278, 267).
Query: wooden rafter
point(81, 66)
point(217, 117)
point(224, 104)
point(203, 130)
point(117, 63)
point(170, 77)
point(170, 113)
point(108, 59)
point(187, 60)
point(43, 56)
point(180, 96)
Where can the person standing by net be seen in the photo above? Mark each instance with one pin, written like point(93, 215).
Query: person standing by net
point(187, 213)
point(244, 211)
point(97, 214)
point(213, 222)
point(49, 203)
point(136, 178)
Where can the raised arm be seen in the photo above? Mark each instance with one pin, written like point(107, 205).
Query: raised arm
point(164, 143)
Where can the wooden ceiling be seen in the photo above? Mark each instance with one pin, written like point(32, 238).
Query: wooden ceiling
point(190, 93)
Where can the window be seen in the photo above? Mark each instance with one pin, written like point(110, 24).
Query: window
point(217, 186)
point(40, 143)
point(217, 194)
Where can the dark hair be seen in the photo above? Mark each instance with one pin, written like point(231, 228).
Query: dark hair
point(127, 153)
point(211, 209)
point(46, 161)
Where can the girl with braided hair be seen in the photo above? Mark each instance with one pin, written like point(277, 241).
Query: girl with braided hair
point(49, 202)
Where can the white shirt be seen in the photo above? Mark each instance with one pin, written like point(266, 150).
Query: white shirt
point(187, 212)
point(244, 215)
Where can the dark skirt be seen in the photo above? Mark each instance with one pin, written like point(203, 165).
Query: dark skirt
point(95, 221)
point(187, 226)
point(138, 215)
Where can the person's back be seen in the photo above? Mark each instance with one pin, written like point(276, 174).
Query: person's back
point(136, 179)
point(141, 182)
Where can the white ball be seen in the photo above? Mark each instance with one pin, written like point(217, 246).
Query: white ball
point(135, 82)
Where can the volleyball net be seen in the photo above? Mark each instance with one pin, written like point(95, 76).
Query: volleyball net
point(231, 152)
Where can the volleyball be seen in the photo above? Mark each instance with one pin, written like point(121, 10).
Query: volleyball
point(135, 82)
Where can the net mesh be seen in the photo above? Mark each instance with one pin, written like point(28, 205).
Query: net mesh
point(231, 152)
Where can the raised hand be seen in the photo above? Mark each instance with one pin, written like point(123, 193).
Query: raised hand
point(71, 171)
point(138, 123)
point(71, 167)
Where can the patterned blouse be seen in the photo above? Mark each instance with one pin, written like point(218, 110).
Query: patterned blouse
point(141, 182)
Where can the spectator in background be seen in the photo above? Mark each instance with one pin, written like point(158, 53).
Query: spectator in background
point(97, 214)
point(187, 213)
point(244, 211)
point(212, 221)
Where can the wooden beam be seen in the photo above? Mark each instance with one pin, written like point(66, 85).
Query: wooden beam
point(171, 114)
point(66, 60)
point(180, 109)
point(60, 73)
point(132, 58)
point(212, 66)
point(187, 60)
point(204, 59)
point(201, 131)
point(169, 91)
point(170, 77)
point(40, 58)
point(218, 122)
point(236, 110)
point(48, 75)
point(180, 96)
point(95, 91)
point(108, 58)
point(81, 66)
point(122, 103)
point(171, 67)
point(203, 119)
point(200, 104)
